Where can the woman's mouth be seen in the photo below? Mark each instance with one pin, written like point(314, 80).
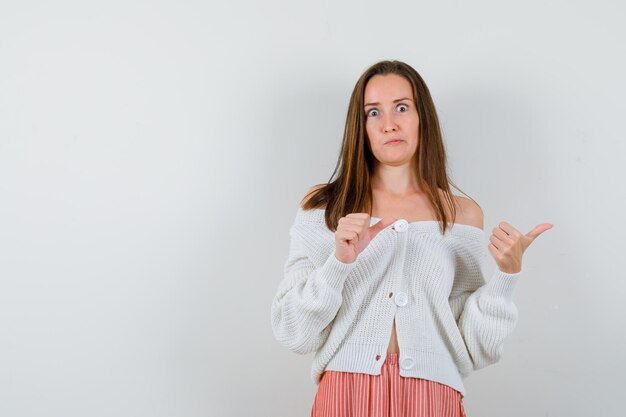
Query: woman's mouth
point(393, 142)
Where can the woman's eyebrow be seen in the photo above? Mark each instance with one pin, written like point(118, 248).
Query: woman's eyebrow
point(395, 101)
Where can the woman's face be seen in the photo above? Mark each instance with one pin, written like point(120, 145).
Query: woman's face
point(392, 122)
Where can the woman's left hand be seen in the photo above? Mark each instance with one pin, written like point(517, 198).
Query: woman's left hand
point(508, 245)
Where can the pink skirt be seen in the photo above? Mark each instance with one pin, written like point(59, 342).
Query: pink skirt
point(345, 394)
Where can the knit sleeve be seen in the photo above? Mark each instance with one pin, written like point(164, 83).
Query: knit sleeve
point(308, 296)
point(484, 311)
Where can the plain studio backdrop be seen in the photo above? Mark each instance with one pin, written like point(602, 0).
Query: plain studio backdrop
point(153, 155)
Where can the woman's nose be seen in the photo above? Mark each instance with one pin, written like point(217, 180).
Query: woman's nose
point(389, 124)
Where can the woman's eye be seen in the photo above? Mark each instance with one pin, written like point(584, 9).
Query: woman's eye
point(402, 107)
point(372, 112)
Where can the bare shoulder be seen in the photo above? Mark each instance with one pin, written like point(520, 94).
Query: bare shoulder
point(469, 212)
point(310, 193)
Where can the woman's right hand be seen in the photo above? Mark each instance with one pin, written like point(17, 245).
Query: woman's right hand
point(354, 233)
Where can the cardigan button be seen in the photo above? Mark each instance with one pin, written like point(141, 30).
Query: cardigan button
point(400, 225)
point(401, 299)
point(407, 363)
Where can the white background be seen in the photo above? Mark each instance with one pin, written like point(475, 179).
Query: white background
point(153, 155)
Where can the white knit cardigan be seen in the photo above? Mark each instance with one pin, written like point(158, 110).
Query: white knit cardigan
point(449, 321)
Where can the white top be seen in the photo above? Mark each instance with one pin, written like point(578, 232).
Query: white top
point(449, 322)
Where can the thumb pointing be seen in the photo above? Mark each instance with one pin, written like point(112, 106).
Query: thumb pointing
point(382, 224)
point(533, 234)
point(539, 229)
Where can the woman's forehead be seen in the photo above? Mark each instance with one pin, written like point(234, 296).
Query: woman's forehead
point(388, 87)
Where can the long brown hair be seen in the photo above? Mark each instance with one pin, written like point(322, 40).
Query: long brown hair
point(351, 191)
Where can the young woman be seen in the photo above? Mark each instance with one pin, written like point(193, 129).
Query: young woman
point(383, 279)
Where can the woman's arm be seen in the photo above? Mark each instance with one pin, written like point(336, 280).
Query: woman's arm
point(308, 297)
point(484, 312)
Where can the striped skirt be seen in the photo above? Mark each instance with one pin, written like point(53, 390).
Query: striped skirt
point(345, 394)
